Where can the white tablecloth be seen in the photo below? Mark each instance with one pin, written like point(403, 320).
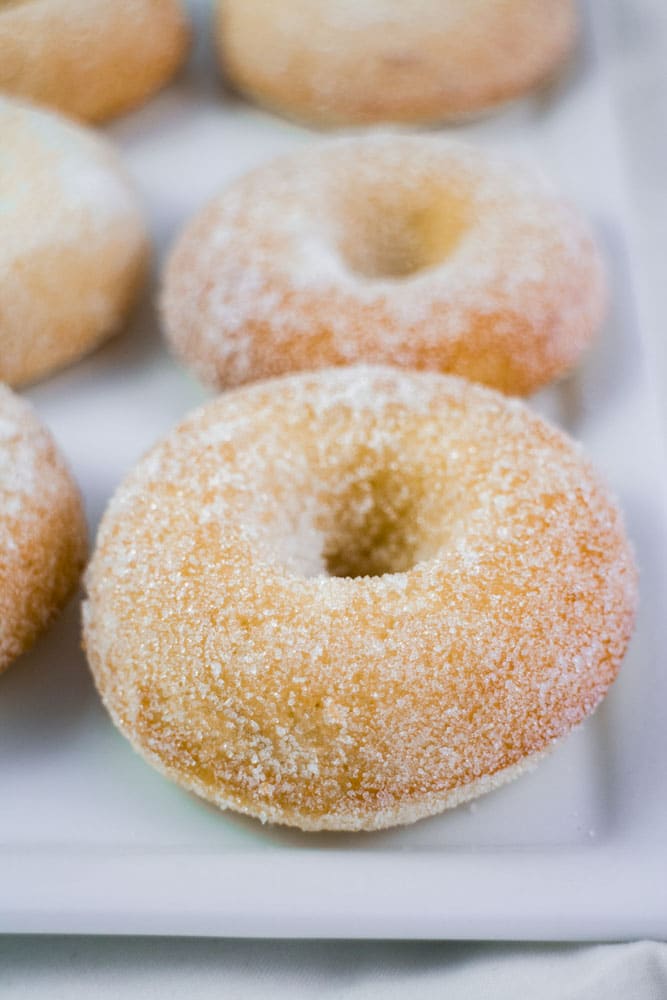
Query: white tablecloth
point(98, 968)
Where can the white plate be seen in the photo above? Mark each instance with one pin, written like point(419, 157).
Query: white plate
point(93, 840)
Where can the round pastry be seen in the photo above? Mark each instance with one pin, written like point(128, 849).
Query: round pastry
point(73, 244)
point(342, 61)
point(410, 251)
point(42, 528)
point(90, 58)
point(351, 598)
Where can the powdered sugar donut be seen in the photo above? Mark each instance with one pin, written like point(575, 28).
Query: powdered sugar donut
point(73, 244)
point(90, 58)
point(42, 528)
point(351, 598)
point(411, 251)
point(345, 61)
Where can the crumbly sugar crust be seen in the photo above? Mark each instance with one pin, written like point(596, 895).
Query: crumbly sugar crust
point(73, 243)
point(344, 62)
point(42, 528)
point(351, 598)
point(91, 59)
point(412, 251)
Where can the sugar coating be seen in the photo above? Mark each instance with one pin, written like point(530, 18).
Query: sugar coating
point(348, 599)
point(42, 528)
point(342, 61)
point(412, 251)
point(73, 243)
point(90, 58)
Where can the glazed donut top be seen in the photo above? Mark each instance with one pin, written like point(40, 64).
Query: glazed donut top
point(337, 598)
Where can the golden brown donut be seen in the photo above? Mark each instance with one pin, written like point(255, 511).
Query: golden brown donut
point(411, 251)
point(354, 61)
point(90, 58)
point(352, 598)
point(42, 528)
point(73, 243)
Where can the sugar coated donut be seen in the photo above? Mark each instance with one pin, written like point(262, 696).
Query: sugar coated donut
point(411, 251)
point(355, 597)
point(42, 528)
point(345, 61)
point(73, 245)
point(90, 58)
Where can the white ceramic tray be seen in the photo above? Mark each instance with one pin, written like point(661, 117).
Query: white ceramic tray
point(93, 840)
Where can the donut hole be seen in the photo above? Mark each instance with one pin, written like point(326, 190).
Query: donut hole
point(385, 548)
point(398, 234)
point(372, 525)
point(371, 529)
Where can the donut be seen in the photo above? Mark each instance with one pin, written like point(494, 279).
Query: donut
point(91, 59)
point(353, 598)
point(42, 528)
point(345, 62)
point(401, 250)
point(73, 243)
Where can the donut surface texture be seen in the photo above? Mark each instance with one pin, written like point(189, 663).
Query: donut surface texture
point(91, 59)
point(73, 244)
point(351, 62)
point(42, 528)
point(353, 598)
point(410, 251)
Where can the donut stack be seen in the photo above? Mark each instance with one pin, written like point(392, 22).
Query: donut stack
point(364, 583)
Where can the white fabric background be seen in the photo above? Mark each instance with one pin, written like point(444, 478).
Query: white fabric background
point(32, 968)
